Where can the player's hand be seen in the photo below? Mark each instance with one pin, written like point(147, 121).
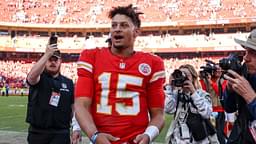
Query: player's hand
point(142, 139)
point(240, 85)
point(76, 137)
point(104, 138)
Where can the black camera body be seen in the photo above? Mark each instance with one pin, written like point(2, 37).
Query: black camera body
point(179, 78)
point(209, 68)
point(203, 74)
point(232, 62)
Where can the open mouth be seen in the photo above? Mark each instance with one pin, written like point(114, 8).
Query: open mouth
point(52, 66)
point(118, 37)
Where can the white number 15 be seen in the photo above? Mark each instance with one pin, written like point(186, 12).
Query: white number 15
point(121, 92)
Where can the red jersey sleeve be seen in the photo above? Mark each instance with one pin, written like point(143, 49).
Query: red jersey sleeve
point(155, 89)
point(215, 87)
point(85, 66)
point(202, 84)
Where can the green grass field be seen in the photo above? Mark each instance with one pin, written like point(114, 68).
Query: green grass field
point(13, 113)
point(161, 137)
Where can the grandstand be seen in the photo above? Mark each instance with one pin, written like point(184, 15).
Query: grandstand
point(186, 29)
point(93, 11)
point(180, 31)
point(171, 29)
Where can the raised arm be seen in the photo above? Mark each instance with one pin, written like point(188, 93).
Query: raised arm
point(34, 74)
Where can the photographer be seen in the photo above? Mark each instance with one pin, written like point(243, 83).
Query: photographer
point(211, 81)
point(240, 94)
point(191, 107)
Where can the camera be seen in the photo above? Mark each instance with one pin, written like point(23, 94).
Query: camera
point(233, 62)
point(179, 78)
point(209, 68)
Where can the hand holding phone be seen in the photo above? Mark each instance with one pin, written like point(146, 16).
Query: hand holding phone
point(53, 40)
point(52, 45)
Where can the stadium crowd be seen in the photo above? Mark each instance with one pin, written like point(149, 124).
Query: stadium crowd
point(93, 11)
point(14, 73)
point(214, 41)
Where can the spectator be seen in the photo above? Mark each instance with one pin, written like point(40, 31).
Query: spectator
point(7, 89)
point(50, 101)
point(22, 91)
point(3, 90)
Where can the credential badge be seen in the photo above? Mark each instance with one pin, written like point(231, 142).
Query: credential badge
point(63, 85)
point(144, 69)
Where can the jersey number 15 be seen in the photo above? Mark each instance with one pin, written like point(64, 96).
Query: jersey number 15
point(121, 108)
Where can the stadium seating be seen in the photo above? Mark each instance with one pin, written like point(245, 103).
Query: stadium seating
point(14, 72)
point(214, 42)
point(94, 11)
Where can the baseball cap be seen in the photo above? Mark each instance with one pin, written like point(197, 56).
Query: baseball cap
point(57, 54)
point(250, 42)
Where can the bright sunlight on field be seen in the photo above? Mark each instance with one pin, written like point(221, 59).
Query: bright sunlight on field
point(13, 114)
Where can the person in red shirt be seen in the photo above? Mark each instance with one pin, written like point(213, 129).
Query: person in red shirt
point(212, 82)
point(119, 92)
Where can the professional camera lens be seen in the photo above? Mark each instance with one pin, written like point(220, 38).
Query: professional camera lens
point(209, 68)
point(232, 62)
point(179, 78)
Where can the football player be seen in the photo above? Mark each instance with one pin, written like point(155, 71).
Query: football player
point(119, 92)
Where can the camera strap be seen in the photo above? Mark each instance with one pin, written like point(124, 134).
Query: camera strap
point(221, 97)
point(177, 103)
point(180, 100)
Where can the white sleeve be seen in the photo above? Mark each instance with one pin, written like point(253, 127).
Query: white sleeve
point(170, 102)
point(203, 103)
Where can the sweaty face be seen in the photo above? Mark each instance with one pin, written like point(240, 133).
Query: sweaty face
point(53, 65)
point(123, 32)
point(250, 60)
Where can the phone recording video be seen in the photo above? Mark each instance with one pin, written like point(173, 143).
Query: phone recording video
point(53, 39)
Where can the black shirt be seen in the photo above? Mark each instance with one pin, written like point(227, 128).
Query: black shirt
point(41, 114)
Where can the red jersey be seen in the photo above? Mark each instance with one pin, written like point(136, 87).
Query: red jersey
point(122, 90)
point(215, 100)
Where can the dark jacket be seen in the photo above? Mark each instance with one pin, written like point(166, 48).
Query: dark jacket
point(246, 113)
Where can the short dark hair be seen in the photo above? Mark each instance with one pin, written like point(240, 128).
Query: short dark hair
point(129, 11)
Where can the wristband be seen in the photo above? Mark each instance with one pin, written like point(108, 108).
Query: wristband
point(76, 128)
point(152, 131)
point(75, 125)
point(94, 137)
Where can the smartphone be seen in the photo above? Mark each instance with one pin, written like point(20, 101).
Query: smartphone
point(53, 39)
